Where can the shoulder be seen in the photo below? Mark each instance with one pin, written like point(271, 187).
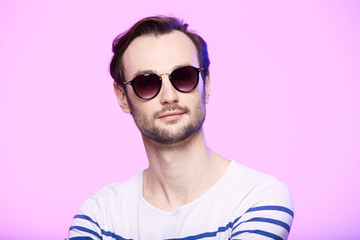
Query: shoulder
point(257, 188)
point(112, 196)
point(132, 185)
point(245, 176)
point(110, 208)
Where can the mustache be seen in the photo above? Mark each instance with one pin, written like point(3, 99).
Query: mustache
point(174, 107)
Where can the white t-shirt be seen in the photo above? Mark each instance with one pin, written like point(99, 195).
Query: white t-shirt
point(243, 204)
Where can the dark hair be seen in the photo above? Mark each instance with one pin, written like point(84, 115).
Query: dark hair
point(156, 25)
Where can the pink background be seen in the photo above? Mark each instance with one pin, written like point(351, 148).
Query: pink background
point(285, 100)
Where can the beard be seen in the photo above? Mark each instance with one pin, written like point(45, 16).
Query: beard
point(164, 135)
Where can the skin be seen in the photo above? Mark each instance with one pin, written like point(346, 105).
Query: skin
point(181, 166)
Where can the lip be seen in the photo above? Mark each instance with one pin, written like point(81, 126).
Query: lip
point(171, 115)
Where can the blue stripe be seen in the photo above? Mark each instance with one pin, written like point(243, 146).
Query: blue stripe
point(83, 229)
point(260, 232)
point(103, 232)
point(270, 220)
point(276, 208)
point(81, 238)
point(202, 235)
point(86, 218)
point(237, 219)
point(113, 235)
point(267, 220)
point(206, 234)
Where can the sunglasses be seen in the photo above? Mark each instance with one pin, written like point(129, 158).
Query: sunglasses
point(147, 86)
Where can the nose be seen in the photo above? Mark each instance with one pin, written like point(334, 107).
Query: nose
point(168, 93)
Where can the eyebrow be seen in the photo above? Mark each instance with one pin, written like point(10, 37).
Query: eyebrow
point(141, 72)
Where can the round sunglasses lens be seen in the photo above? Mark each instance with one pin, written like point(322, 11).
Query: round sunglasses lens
point(185, 79)
point(146, 86)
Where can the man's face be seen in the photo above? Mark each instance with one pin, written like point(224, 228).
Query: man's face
point(171, 116)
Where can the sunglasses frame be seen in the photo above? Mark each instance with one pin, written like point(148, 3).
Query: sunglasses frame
point(198, 70)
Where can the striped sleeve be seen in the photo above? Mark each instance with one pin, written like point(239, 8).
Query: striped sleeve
point(84, 228)
point(85, 224)
point(270, 218)
point(93, 219)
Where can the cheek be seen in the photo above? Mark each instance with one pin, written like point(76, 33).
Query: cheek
point(142, 110)
point(201, 91)
point(135, 104)
point(197, 101)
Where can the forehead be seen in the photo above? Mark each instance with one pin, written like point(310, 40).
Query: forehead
point(160, 53)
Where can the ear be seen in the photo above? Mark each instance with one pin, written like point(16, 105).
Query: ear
point(121, 97)
point(207, 88)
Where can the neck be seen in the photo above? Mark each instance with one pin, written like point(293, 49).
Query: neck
point(180, 173)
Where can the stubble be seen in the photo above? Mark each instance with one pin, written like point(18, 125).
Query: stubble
point(164, 135)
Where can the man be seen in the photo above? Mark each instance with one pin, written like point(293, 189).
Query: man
point(161, 73)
